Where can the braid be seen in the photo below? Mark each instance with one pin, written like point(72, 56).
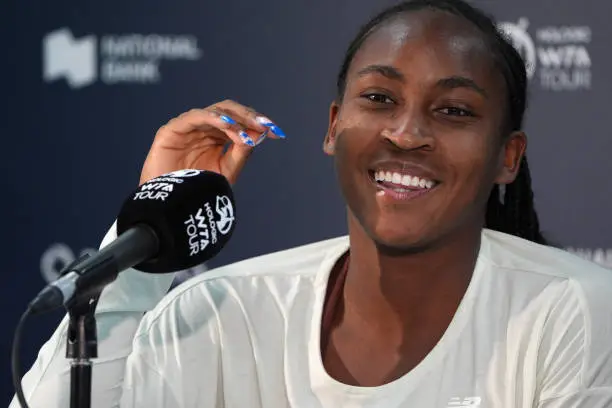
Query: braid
point(495, 218)
point(516, 215)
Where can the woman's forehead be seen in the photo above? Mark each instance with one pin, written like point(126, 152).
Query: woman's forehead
point(433, 40)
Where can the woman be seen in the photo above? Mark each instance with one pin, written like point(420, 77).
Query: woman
point(441, 295)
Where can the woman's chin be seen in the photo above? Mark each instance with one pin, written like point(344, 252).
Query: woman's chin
point(399, 238)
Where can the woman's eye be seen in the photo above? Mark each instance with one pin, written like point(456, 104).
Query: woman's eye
point(378, 98)
point(454, 111)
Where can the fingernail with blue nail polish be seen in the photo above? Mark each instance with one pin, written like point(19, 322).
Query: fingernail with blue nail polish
point(227, 119)
point(247, 139)
point(277, 131)
point(267, 122)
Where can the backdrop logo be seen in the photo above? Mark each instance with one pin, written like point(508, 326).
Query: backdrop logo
point(557, 56)
point(600, 256)
point(56, 258)
point(112, 58)
point(74, 60)
point(520, 38)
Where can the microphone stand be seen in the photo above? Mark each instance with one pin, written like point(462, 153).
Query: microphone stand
point(82, 344)
point(82, 341)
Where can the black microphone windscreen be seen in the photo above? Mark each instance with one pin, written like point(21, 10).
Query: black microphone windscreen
point(192, 213)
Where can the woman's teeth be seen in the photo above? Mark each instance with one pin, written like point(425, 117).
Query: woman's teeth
point(403, 179)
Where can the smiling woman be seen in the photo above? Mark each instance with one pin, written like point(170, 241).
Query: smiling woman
point(454, 112)
point(442, 293)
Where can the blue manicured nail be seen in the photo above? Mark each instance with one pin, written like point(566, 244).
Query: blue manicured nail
point(278, 131)
point(227, 119)
point(247, 139)
point(267, 122)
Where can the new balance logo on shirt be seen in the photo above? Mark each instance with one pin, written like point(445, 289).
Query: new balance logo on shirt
point(469, 402)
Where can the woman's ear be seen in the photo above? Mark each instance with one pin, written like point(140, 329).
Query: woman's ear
point(510, 157)
point(329, 143)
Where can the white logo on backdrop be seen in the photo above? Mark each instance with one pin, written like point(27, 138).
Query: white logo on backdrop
point(65, 57)
point(112, 58)
point(56, 258)
point(600, 256)
point(557, 57)
point(520, 38)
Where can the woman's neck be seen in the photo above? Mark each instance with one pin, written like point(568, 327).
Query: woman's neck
point(395, 294)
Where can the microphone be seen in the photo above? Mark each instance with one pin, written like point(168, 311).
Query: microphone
point(170, 223)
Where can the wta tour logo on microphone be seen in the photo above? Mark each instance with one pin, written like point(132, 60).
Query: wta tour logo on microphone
point(160, 187)
point(202, 227)
point(225, 210)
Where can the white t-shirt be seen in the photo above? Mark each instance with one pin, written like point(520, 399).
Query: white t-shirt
point(533, 330)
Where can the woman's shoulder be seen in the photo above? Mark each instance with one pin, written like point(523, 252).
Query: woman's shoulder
point(513, 253)
point(245, 285)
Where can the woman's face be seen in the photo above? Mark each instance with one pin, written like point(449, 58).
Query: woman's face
point(418, 137)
